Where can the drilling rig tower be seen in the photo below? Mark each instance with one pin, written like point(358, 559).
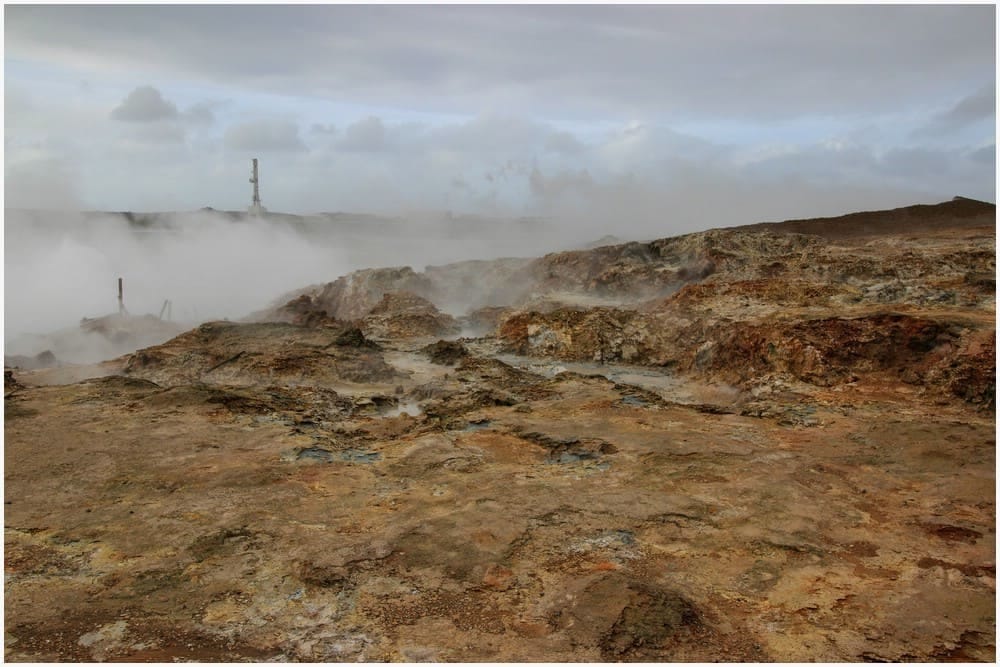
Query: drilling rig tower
point(256, 209)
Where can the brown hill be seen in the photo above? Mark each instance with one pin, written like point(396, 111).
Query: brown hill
point(960, 212)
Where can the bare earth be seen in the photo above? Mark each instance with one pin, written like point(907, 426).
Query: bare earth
point(759, 444)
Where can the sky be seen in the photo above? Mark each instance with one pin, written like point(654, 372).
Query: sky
point(706, 115)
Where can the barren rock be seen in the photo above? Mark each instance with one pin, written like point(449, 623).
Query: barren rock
point(761, 444)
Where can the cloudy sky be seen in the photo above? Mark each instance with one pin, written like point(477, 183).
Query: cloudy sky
point(739, 113)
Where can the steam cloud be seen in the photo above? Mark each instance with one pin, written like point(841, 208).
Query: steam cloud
point(61, 267)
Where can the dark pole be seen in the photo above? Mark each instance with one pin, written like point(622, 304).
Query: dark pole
point(121, 302)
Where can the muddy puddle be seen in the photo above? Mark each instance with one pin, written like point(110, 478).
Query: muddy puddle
point(409, 408)
point(416, 365)
point(481, 425)
point(563, 458)
point(663, 384)
point(320, 455)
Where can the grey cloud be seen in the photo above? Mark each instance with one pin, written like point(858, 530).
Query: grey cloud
point(508, 171)
point(946, 170)
point(264, 135)
point(773, 61)
point(511, 168)
point(200, 114)
point(941, 172)
point(653, 206)
point(564, 143)
point(144, 104)
point(491, 134)
point(593, 67)
point(45, 183)
point(986, 155)
point(917, 163)
point(158, 133)
point(979, 106)
point(367, 135)
point(819, 163)
point(562, 183)
point(634, 130)
point(18, 106)
point(328, 129)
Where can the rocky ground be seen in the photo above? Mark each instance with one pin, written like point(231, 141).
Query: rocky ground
point(769, 443)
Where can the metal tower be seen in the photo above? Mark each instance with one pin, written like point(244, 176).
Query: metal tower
point(255, 205)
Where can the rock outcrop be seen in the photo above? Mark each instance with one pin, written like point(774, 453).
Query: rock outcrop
point(227, 353)
point(406, 315)
point(881, 305)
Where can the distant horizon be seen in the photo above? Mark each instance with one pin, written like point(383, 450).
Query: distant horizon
point(446, 212)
